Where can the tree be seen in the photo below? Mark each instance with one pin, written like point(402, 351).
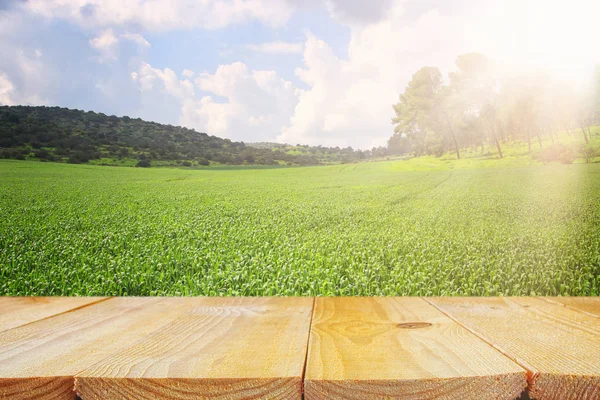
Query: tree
point(399, 144)
point(422, 115)
point(474, 93)
point(589, 105)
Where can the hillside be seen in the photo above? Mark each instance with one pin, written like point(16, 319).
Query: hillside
point(75, 136)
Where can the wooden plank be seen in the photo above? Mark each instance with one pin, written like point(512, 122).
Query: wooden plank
point(16, 311)
point(590, 305)
point(222, 348)
point(559, 347)
point(404, 348)
point(40, 360)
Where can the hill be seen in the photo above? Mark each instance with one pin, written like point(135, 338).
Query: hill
point(75, 136)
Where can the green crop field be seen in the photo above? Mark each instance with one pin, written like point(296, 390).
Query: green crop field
point(380, 228)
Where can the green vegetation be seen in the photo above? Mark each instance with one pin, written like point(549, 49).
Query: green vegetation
point(426, 226)
point(483, 104)
point(63, 135)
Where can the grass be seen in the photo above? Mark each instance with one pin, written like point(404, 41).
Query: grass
point(417, 227)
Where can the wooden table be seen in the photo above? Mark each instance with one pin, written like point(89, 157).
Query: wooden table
point(299, 347)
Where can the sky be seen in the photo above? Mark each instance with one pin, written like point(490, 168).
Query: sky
point(317, 72)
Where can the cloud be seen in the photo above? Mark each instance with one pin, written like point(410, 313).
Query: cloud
point(12, 95)
point(163, 15)
point(136, 38)
point(6, 91)
point(187, 73)
point(349, 101)
point(22, 75)
point(232, 102)
point(357, 12)
point(106, 43)
point(277, 47)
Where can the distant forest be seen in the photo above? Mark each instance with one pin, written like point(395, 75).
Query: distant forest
point(74, 136)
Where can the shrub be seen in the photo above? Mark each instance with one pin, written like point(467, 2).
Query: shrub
point(557, 152)
point(79, 157)
point(143, 164)
point(41, 154)
point(588, 152)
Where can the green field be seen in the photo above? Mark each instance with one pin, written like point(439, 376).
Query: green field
point(418, 227)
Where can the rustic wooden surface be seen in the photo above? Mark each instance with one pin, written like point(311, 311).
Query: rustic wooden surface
point(219, 348)
point(590, 305)
point(374, 348)
point(559, 347)
point(16, 311)
point(256, 348)
point(39, 360)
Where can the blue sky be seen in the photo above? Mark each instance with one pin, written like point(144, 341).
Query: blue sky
point(311, 72)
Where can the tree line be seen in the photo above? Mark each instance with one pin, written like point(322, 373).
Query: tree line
point(483, 104)
point(65, 135)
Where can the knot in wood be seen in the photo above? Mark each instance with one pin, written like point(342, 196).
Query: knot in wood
point(413, 325)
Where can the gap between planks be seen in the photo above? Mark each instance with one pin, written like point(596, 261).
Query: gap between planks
point(522, 363)
point(312, 315)
point(587, 305)
point(27, 310)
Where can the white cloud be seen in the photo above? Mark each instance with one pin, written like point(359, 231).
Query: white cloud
point(277, 47)
point(147, 76)
point(10, 94)
point(105, 40)
point(256, 103)
point(137, 38)
point(188, 73)
point(107, 43)
point(161, 15)
point(24, 77)
point(6, 91)
point(349, 101)
point(23, 81)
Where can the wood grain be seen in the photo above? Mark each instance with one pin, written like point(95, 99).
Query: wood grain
point(39, 360)
point(590, 305)
point(221, 348)
point(16, 311)
point(558, 346)
point(404, 348)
